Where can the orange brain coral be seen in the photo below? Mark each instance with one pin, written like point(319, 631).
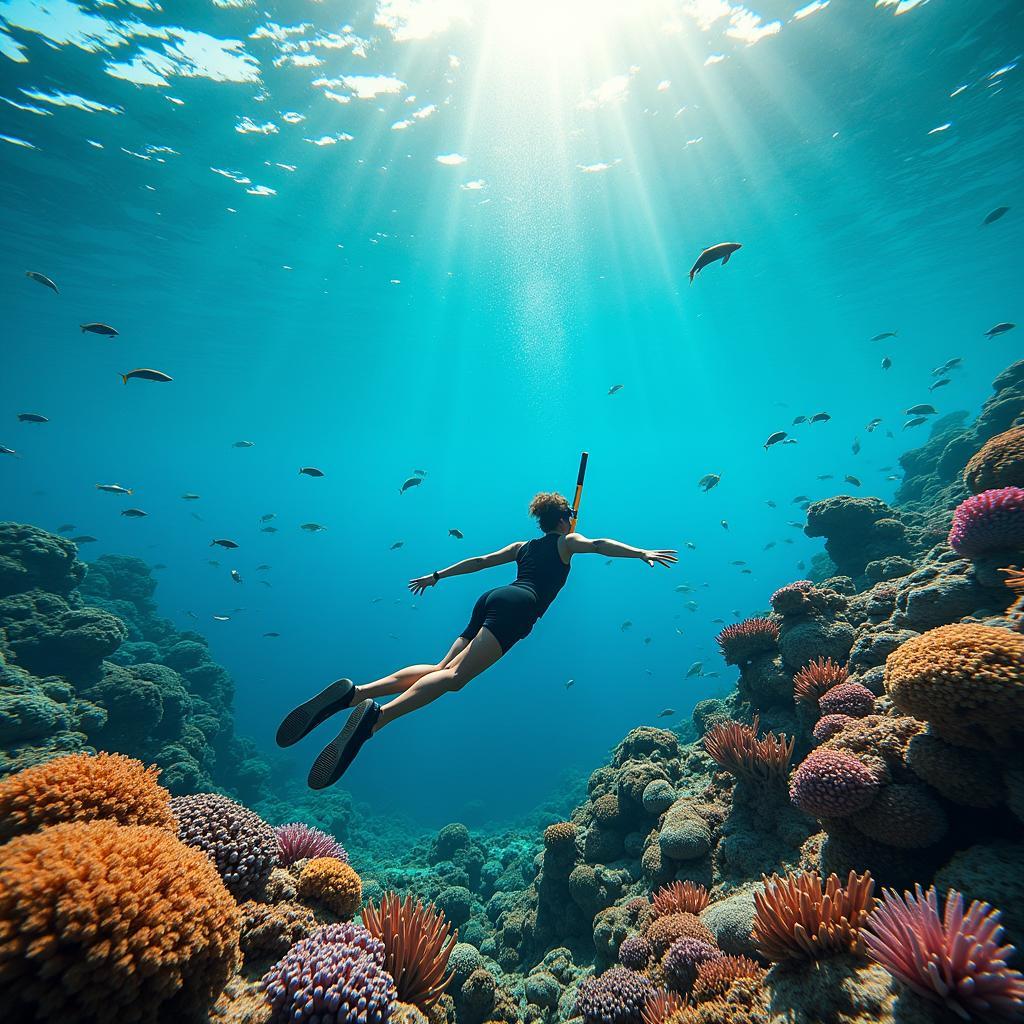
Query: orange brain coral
point(83, 787)
point(965, 680)
point(333, 883)
point(103, 923)
point(998, 463)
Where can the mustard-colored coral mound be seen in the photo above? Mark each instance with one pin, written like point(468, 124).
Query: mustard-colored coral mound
point(83, 787)
point(111, 924)
point(561, 833)
point(332, 883)
point(965, 680)
point(998, 463)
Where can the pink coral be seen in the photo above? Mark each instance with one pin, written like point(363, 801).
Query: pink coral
point(297, 841)
point(832, 784)
point(989, 521)
point(828, 725)
point(847, 699)
point(955, 960)
point(744, 640)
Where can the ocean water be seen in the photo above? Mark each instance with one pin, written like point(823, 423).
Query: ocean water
point(381, 237)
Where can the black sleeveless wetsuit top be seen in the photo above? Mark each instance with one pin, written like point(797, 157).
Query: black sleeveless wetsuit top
point(541, 570)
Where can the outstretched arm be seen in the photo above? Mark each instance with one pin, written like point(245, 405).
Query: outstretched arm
point(577, 544)
point(467, 565)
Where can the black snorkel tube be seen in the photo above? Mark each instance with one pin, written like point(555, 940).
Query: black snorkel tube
point(579, 491)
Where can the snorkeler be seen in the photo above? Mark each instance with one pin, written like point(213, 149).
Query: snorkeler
point(501, 618)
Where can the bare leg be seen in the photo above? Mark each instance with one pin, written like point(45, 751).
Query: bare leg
point(482, 652)
point(400, 680)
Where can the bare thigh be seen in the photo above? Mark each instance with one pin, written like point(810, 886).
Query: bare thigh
point(457, 648)
point(481, 653)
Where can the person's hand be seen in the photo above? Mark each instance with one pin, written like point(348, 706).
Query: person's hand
point(662, 557)
point(417, 586)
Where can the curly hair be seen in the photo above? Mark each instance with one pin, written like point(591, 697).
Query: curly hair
point(549, 508)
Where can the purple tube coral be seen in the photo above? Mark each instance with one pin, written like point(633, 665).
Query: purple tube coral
point(989, 521)
point(297, 841)
point(336, 976)
point(635, 952)
point(615, 997)
point(683, 960)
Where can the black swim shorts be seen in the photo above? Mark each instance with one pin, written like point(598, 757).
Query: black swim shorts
point(508, 612)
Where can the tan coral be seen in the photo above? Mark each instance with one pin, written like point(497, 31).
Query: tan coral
point(964, 776)
point(715, 978)
point(880, 741)
point(965, 680)
point(269, 929)
point(998, 463)
point(333, 883)
point(663, 931)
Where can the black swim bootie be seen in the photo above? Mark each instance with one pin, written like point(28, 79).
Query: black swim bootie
point(306, 717)
point(335, 758)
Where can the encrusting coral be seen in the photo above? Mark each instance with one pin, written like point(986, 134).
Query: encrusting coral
point(998, 463)
point(331, 883)
point(271, 929)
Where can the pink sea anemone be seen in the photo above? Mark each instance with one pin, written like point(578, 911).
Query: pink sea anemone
point(297, 841)
point(954, 959)
point(744, 640)
point(990, 521)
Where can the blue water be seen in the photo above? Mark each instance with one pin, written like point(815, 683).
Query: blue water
point(359, 305)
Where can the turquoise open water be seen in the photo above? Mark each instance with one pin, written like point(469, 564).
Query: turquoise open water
point(433, 234)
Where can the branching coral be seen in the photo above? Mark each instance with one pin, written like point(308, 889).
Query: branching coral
point(965, 680)
point(738, 750)
point(999, 462)
point(795, 918)
point(297, 841)
point(745, 640)
point(680, 898)
point(716, 976)
point(832, 784)
point(417, 941)
point(332, 883)
point(815, 679)
point(615, 997)
point(111, 924)
point(954, 959)
point(83, 787)
point(988, 522)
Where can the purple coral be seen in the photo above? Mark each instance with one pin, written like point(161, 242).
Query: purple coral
point(850, 699)
point(635, 952)
point(297, 841)
point(682, 960)
point(615, 997)
point(828, 725)
point(988, 522)
point(832, 784)
point(336, 976)
point(955, 960)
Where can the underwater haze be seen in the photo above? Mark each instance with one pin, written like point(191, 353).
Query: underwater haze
point(375, 238)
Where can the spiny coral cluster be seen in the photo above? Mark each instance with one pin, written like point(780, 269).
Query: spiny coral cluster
point(832, 784)
point(616, 997)
point(744, 640)
point(738, 750)
point(816, 678)
point(683, 897)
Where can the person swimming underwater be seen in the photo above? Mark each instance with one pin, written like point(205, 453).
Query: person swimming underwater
point(501, 618)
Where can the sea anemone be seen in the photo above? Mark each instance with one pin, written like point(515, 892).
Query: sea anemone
point(635, 952)
point(815, 679)
point(955, 959)
point(615, 997)
point(745, 640)
point(850, 699)
point(828, 725)
point(418, 941)
point(795, 918)
point(680, 898)
point(662, 1005)
point(683, 958)
point(298, 841)
point(737, 749)
point(988, 522)
point(832, 784)
point(715, 976)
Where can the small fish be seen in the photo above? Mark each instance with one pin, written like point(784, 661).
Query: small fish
point(143, 374)
point(886, 362)
point(419, 472)
point(271, 634)
point(213, 562)
point(626, 625)
point(855, 447)
point(920, 410)
point(884, 335)
point(647, 639)
point(114, 489)
point(133, 513)
point(667, 713)
point(684, 588)
point(377, 600)
point(915, 422)
point(939, 384)
point(397, 545)
point(221, 543)
point(770, 503)
point(690, 546)
point(998, 329)
point(413, 481)
point(268, 529)
point(312, 527)
point(32, 417)
point(189, 496)
point(796, 526)
point(821, 417)
point(311, 471)
point(768, 546)
point(570, 682)
point(457, 534)
point(44, 280)
point(892, 476)
point(827, 476)
point(799, 420)
point(615, 388)
point(779, 435)
point(83, 539)
point(222, 618)
point(724, 524)
point(717, 622)
point(712, 675)
point(159, 565)
point(65, 528)
point(236, 575)
point(266, 518)
point(746, 572)
point(990, 218)
point(949, 364)
point(799, 498)
point(708, 481)
point(4, 450)
point(262, 567)
point(851, 480)
point(722, 251)
point(870, 428)
point(696, 669)
point(266, 583)
point(738, 561)
point(791, 440)
point(105, 329)
point(244, 444)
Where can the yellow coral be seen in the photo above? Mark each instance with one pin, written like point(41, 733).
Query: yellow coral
point(561, 833)
point(965, 680)
point(104, 923)
point(83, 787)
point(998, 463)
point(333, 883)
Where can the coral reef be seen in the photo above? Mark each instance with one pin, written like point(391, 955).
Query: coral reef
point(615, 997)
point(988, 522)
point(332, 884)
point(999, 462)
point(298, 841)
point(743, 641)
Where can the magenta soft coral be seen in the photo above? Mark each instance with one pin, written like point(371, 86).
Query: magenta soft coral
point(297, 841)
point(990, 521)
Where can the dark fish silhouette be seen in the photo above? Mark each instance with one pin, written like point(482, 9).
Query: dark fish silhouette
point(457, 534)
point(84, 539)
point(884, 335)
point(779, 435)
point(722, 251)
point(939, 384)
point(991, 218)
point(413, 481)
point(32, 417)
point(705, 483)
point(44, 280)
point(236, 575)
point(1002, 328)
point(189, 496)
point(915, 422)
point(852, 480)
point(855, 447)
point(271, 634)
point(886, 362)
point(268, 529)
point(221, 543)
point(798, 420)
point(143, 374)
point(821, 417)
point(667, 713)
point(4, 450)
point(614, 388)
point(65, 528)
point(133, 513)
point(114, 489)
point(397, 545)
point(312, 527)
point(105, 329)
point(244, 444)
point(311, 471)
point(920, 410)
point(724, 524)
